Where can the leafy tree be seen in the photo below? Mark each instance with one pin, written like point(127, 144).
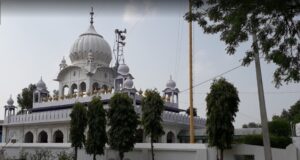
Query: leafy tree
point(296, 119)
point(273, 23)
point(96, 137)
point(25, 98)
point(194, 111)
point(123, 122)
point(280, 127)
point(78, 126)
point(280, 132)
point(222, 105)
point(152, 108)
point(291, 115)
point(252, 125)
point(294, 110)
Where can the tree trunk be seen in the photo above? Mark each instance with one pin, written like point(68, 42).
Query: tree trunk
point(121, 155)
point(221, 154)
point(75, 156)
point(94, 156)
point(152, 148)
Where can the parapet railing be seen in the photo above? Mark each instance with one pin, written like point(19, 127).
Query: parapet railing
point(49, 116)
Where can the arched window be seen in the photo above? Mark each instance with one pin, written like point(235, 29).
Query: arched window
point(104, 87)
point(65, 90)
point(95, 86)
point(82, 87)
point(28, 137)
point(58, 137)
point(74, 88)
point(43, 137)
point(170, 137)
point(139, 136)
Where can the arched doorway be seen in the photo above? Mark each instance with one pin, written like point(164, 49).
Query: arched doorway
point(170, 137)
point(82, 87)
point(58, 137)
point(43, 137)
point(95, 86)
point(74, 88)
point(65, 90)
point(28, 137)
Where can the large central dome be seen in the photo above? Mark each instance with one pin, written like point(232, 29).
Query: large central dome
point(91, 43)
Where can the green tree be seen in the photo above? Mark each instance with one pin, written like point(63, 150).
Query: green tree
point(252, 125)
point(152, 110)
point(280, 127)
point(78, 126)
point(25, 98)
point(96, 136)
point(222, 104)
point(294, 110)
point(123, 122)
point(194, 111)
point(273, 23)
point(291, 115)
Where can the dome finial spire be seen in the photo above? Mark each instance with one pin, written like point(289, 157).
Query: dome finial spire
point(92, 13)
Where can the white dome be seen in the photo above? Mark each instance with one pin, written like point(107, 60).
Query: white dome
point(123, 69)
point(10, 101)
point(41, 85)
point(171, 84)
point(91, 42)
point(128, 83)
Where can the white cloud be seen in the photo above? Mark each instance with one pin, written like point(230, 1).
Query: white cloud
point(135, 11)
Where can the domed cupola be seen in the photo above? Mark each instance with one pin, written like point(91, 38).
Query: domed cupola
point(123, 69)
point(10, 101)
point(41, 85)
point(171, 93)
point(128, 83)
point(91, 42)
point(171, 84)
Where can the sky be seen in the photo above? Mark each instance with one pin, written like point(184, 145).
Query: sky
point(36, 35)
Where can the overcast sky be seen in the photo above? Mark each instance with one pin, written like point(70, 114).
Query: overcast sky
point(35, 36)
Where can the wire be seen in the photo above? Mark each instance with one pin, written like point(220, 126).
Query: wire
point(212, 78)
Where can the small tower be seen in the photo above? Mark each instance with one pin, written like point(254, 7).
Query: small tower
point(129, 89)
point(123, 74)
point(171, 92)
point(63, 64)
point(41, 93)
point(9, 108)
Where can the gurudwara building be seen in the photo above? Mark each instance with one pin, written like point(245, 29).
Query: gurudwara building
point(89, 74)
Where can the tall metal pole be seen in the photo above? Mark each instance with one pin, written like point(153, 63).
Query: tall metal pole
point(192, 132)
point(262, 104)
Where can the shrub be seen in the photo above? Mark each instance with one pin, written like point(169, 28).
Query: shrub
point(42, 154)
point(276, 141)
point(253, 140)
point(64, 156)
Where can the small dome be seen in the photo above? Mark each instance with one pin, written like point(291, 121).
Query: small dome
point(41, 85)
point(91, 43)
point(10, 101)
point(123, 69)
point(171, 84)
point(128, 83)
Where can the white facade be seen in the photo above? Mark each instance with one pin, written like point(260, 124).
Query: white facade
point(88, 75)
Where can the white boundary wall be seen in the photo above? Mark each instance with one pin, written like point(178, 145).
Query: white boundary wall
point(163, 151)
